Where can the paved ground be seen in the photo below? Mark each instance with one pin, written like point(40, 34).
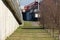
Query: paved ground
point(35, 23)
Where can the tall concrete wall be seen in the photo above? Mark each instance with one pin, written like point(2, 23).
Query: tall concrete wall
point(7, 22)
point(14, 5)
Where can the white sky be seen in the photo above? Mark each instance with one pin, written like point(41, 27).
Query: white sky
point(25, 2)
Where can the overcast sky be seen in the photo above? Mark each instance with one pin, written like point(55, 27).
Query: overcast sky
point(25, 2)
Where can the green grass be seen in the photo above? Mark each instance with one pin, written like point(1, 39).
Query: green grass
point(33, 34)
point(28, 24)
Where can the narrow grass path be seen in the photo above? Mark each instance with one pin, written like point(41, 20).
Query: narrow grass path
point(33, 34)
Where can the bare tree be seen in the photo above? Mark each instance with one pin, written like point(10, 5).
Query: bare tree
point(49, 11)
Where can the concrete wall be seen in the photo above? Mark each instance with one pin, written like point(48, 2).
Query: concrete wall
point(14, 7)
point(7, 22)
